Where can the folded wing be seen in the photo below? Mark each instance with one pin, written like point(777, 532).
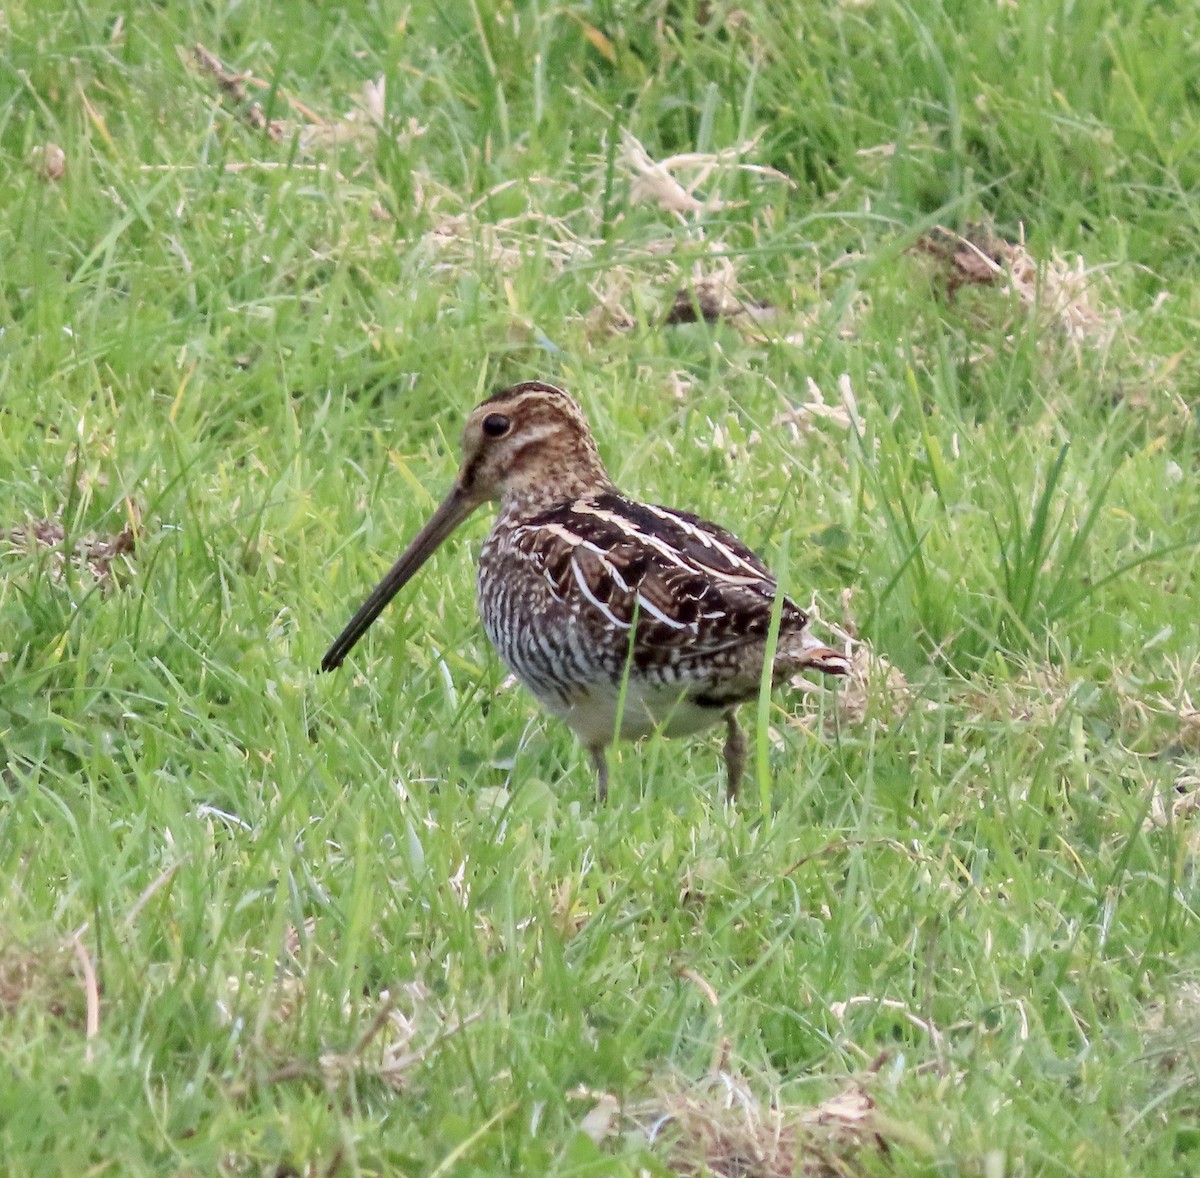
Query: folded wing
point(682, 582)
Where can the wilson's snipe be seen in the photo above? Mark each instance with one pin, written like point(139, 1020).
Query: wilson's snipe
point(610, 611)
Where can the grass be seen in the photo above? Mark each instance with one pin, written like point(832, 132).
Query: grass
point(260, 921)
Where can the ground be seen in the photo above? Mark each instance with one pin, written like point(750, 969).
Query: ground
point(905, 295)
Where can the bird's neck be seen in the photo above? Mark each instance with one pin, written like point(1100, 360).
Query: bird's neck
point(538, 487)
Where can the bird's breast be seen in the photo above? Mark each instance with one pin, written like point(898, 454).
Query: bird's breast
point(545, 640)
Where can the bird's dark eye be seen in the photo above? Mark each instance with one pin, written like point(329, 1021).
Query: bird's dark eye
point(496, 425)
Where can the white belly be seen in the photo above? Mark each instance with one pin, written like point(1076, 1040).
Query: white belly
point(592, 713)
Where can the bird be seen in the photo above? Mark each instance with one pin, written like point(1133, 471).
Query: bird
point(621, 618)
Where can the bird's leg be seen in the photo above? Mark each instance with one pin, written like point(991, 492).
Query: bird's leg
point(601, 763)
point(735, 753)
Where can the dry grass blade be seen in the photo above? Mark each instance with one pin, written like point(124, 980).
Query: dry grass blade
point(42, 977)
point(807, 413)
point(603, 1118)
point(976, 258)
point(1063, 289)
point(49, 162)
point(610, 315)
point(393, 1043)
point(837, 846)
point(722, 1046)
point(713, 295)
point(360, 127)
point(839, 1010)
point(1171, 1029)
point(1179, 804)
point(461, 239)
point(392, 1033)
point(656, 180)
point(233, 87)
point(163, 878)
point(874, 685)
point(99, 554)
point(720, 1128)
point(91, 990)
point(710, 294)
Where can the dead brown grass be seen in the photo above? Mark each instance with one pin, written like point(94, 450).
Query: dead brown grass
point(712, 293)
point(1172, 711)
point(400, 1027)
point(673, 183)
point(233, 88)
point(49, 162)
point(803, 417)
point(720, 1127)
point(314, 131)
point(873, 688)
point(1034, 697)
point(109, 559)
point(1064, 291)
point(1172, 1030)
point(44, 979)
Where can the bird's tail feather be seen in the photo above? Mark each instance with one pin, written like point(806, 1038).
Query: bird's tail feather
point(807, 653)
point(825, 658)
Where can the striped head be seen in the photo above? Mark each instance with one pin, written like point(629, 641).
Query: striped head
point(531, 448)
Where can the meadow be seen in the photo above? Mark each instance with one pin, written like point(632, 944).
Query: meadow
point(904, 294)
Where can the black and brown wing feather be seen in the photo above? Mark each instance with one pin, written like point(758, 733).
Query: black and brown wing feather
point(665, 589)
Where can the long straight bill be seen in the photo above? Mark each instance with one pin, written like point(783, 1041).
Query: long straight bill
point(454, 509)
